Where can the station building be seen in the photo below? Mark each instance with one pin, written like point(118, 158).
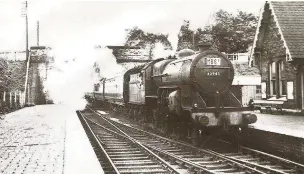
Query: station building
point(278, 52)
point(246, 84)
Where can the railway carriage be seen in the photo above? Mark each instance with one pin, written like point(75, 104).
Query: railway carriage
point(187, 94)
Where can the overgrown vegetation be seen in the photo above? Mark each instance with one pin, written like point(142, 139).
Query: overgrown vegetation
point(12, 75)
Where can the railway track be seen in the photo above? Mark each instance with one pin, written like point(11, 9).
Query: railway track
point(261, 160)
point(189, 159)
point(118, 153)
point(195, 159)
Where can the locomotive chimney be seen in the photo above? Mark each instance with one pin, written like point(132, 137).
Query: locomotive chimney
point(204, 46)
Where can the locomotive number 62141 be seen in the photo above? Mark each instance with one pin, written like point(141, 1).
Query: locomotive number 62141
point(213, 73)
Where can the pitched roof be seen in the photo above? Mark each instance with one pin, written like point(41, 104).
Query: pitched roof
point(289, 18)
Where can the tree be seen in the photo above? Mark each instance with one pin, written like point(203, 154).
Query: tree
point(137, 37)
point(185, 37)
point(228, 33)
point(12, 75)
point(231, 33)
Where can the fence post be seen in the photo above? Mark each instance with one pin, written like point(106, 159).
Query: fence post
point(10, 99)
point(15, 97)
point(20, 98)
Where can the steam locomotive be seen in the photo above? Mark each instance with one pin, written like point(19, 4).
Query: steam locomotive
point(187, 95)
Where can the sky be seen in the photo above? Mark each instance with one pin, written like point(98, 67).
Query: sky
point(103, 22)
point(72, 28)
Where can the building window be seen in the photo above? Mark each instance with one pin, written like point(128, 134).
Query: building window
point(281, 65)
point(272, 78)
point(258, 89)
point(282, 84)
point(273, 69)
point(290, 90)
point(263, 87)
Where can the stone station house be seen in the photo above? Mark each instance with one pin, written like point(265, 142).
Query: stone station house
point(278, 52)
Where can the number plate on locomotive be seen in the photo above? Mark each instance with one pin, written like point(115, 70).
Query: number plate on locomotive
point(213, 73)
point(213, 61)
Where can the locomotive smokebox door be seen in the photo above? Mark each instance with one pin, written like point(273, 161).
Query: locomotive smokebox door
point(174, 102)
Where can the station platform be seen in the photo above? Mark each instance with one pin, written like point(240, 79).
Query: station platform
point(290, 125)
point(45, 139)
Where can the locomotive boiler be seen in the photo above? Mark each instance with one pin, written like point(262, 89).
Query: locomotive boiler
point(188, 94)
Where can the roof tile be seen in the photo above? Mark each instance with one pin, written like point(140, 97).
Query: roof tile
point(290, 16)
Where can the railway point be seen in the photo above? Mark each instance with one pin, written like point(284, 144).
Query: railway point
point(45, 139)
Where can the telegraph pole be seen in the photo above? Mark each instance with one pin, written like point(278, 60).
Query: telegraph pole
point(26, 25)
point(26, 32)
point(37, 33)
point(26, 90)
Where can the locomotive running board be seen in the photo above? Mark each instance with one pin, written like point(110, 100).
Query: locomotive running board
point(226, 109)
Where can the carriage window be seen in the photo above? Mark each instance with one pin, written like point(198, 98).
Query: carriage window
point(96, 87)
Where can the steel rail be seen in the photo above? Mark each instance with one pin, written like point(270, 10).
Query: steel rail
point(200, 167)
point(262, 169)
point(168, 166)
point(268, 169)
point(240, 165)
point(99, 144)
point(190, 163)
point(274, 157)
point(297, 167)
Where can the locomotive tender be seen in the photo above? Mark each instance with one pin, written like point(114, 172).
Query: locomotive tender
point(190, 93)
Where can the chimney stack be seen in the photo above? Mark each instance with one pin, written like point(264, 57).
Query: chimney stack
point(204, 46)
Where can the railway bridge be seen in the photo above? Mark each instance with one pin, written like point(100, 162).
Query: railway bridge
point(36, 74)
point(22, 82)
